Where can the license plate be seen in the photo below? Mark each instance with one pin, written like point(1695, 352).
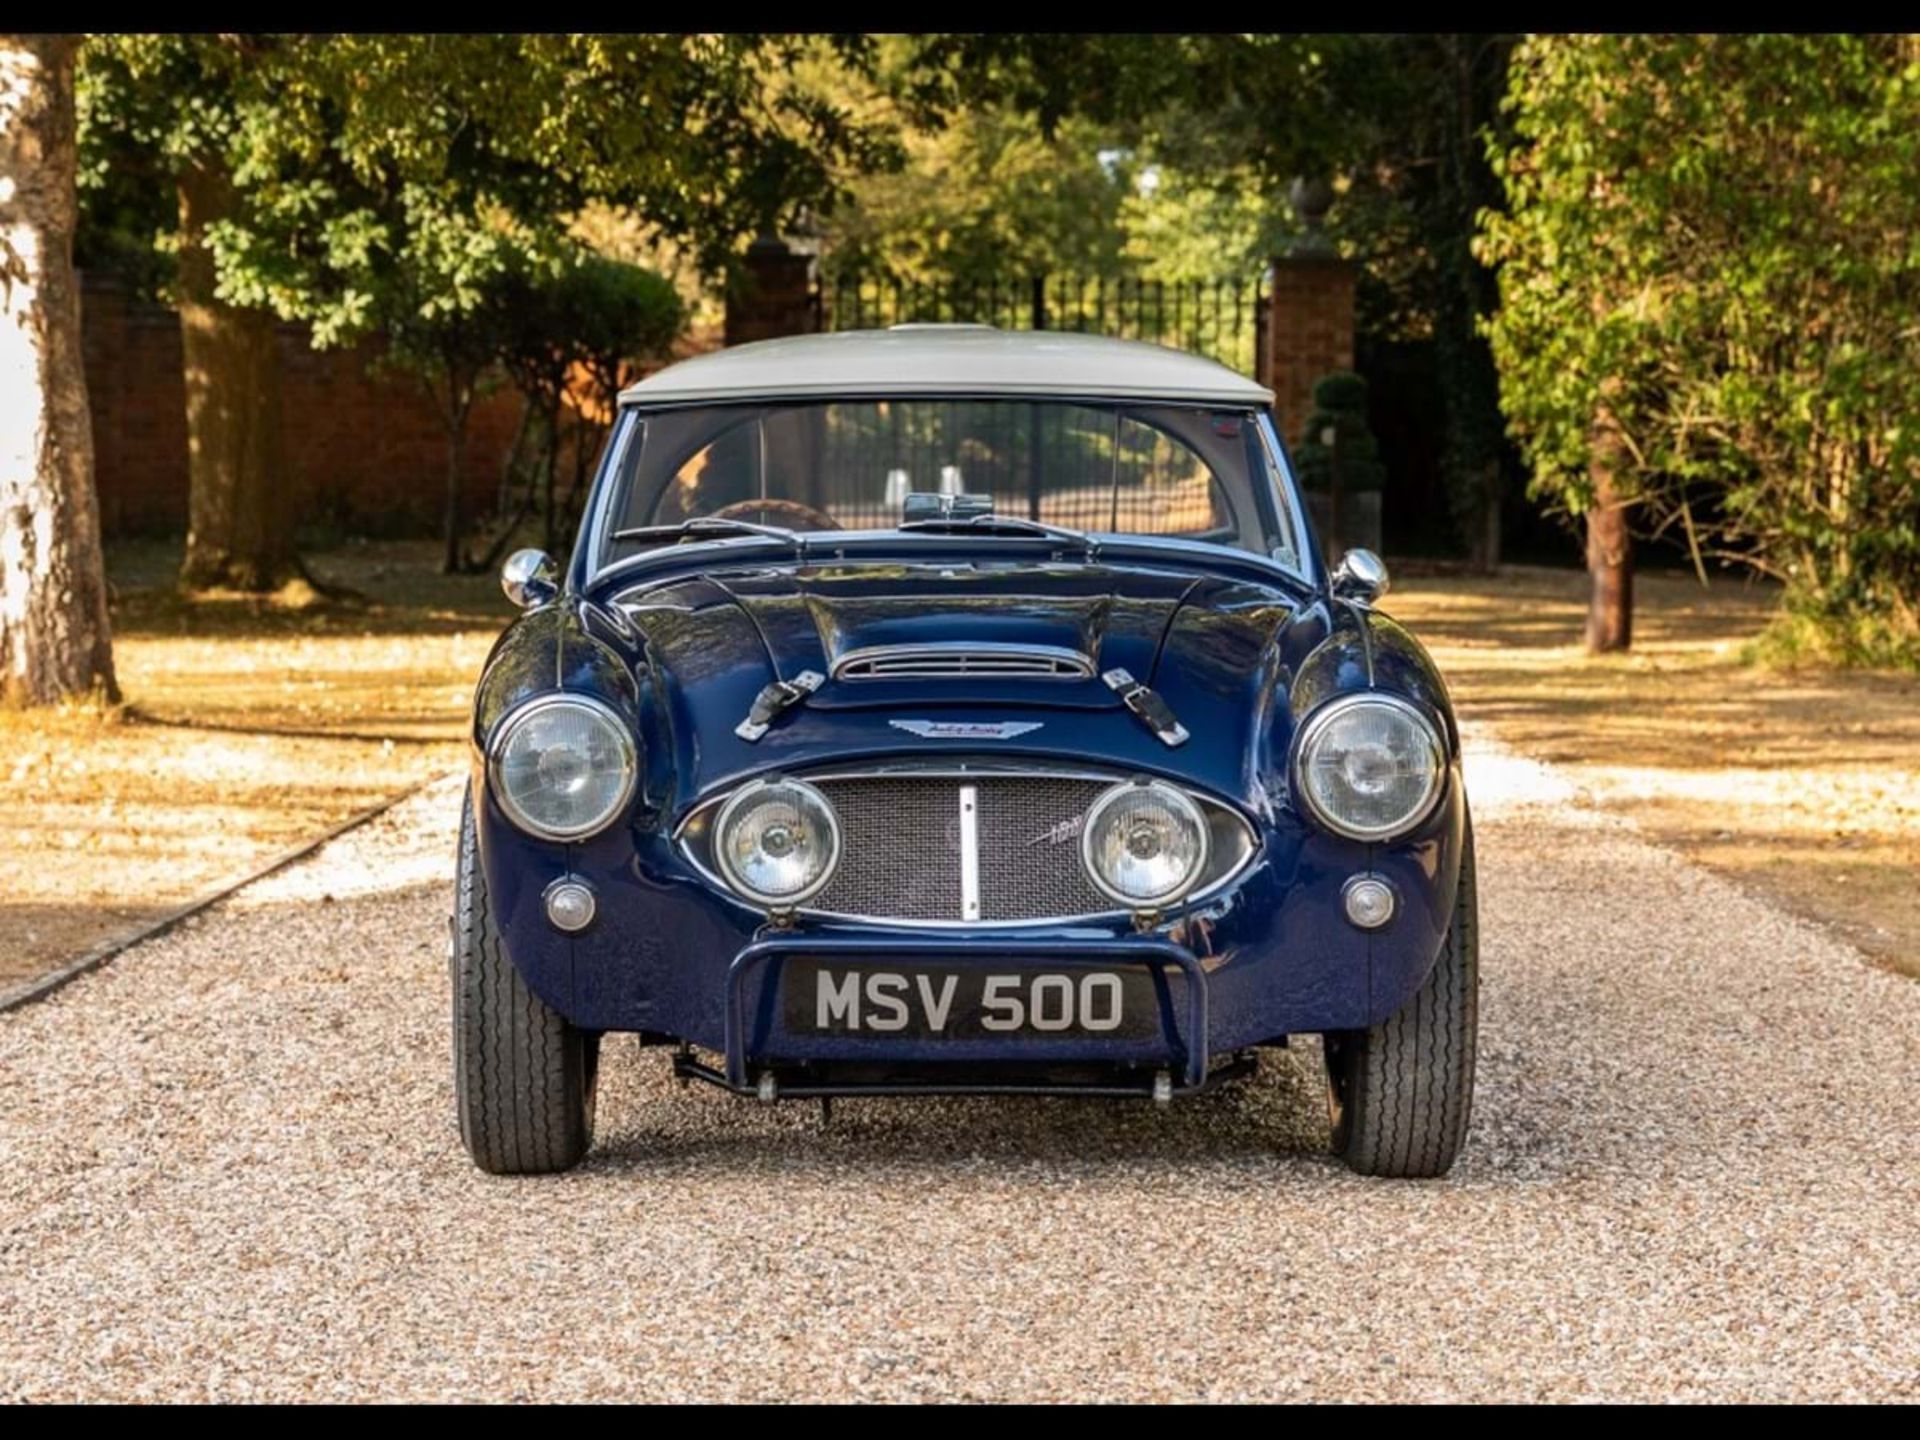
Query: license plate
point(943, 1002)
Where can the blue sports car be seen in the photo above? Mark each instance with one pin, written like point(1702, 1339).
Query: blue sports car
point(942, 710)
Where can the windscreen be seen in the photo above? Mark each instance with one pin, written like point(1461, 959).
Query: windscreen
point(1193, 473)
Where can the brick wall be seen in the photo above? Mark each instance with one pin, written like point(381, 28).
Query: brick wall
point(773, 294)
point(365, 452)
point(1309, 332)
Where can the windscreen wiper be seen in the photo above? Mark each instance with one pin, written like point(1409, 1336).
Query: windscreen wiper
point(713, 525)
point(990, 524)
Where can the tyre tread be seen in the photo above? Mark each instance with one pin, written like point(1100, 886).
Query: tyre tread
point(522, 1074)
point(1409, 1080)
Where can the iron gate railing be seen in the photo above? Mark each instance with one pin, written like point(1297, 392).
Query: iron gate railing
point(1224, 319)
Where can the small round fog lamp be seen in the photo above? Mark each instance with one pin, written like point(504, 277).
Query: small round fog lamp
point(570, 906)
point(1369, 901)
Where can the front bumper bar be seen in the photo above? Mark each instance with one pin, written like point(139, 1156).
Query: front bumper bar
point(756, 972)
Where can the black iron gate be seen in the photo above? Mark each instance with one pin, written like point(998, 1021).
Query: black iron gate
point(1224, 319)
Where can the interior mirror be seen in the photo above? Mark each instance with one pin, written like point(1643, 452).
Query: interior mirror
point(529, 579)
point(943, 505)
point(1361, 576)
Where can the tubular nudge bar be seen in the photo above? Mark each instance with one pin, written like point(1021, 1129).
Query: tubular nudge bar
point(778, 1084)
point(1185, 1060)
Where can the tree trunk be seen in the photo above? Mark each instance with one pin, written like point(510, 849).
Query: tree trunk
point(549, 471)
point(1490, 535)
point(510, 467)
point(1609, 548)
point(54, 637)
point(1483, 551)
point(452, 525)
point(239, 514)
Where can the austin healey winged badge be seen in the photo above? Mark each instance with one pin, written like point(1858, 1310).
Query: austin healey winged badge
point(966, 729)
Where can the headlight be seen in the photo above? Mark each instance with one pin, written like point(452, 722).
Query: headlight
point(563, 766)
point(777, 841)
point(1144, 843)
point(1370, 766)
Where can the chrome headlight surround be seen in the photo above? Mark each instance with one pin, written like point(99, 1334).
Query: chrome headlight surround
point(1315, 731)
point(723, 828)
point(1178, 801)
point(604, 715)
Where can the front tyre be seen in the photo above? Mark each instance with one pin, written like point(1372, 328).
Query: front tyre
point(523, 1077)
point(1400, 1093)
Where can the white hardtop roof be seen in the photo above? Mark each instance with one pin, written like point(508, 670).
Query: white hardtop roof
point(949, 360)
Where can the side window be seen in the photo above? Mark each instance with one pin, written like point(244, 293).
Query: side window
point(1163, 488)
point(721, 473)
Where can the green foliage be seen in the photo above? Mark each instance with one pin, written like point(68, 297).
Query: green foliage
point(392, 181)
point(1820, 635)
point(985, 198)
point(443, 156)
point(1352, 454)
point(1099, 155)
point(618, 315)
point(426, 186)
point(576, 309)
point(1709, 249)
point(562, 315)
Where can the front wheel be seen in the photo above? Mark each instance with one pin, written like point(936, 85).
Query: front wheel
point(523, 1078)
point(1400, 1093)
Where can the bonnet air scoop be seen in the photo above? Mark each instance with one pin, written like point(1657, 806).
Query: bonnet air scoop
point(962, 660)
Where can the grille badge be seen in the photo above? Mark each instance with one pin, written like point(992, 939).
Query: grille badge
point(1058, 833)
point(966, 729)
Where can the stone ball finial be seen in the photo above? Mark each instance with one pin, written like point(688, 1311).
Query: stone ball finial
point(1310, 198)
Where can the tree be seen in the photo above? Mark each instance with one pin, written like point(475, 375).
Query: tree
point(1708, 280)
point(445, 323)
point(54, 636)
point(982, 199)
point(328, 179)
point(210, 117)
point(621, 316)
point(468, 155)
point(570, 316)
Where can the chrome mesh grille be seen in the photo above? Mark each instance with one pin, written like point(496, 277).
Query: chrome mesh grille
point(900, 847)
point(1030, 848)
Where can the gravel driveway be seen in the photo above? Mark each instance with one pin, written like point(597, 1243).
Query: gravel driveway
point(228, 1170)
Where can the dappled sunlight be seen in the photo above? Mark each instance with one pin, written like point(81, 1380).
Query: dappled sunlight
point(402, 867)
point(249, 728)
point(412, 687)
point(1805, 783)
point(1500, 780)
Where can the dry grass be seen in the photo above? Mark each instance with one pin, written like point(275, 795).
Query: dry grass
point(1802, 784)
point(249, 726)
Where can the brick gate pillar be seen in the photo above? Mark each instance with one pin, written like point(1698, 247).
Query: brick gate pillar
point(1309, 329)
point(773, 295)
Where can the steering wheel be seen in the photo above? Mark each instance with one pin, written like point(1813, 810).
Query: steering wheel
point(791, 513)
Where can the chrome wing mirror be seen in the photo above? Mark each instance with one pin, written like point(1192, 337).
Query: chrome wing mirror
point(1360, 577)
point(529, 578)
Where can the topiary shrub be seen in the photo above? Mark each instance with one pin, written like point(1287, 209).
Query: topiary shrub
point(1339, 405)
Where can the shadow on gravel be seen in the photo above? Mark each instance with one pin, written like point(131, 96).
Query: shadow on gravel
point(647, 1122)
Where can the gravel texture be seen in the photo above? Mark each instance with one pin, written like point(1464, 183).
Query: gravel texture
point(228, 1170)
